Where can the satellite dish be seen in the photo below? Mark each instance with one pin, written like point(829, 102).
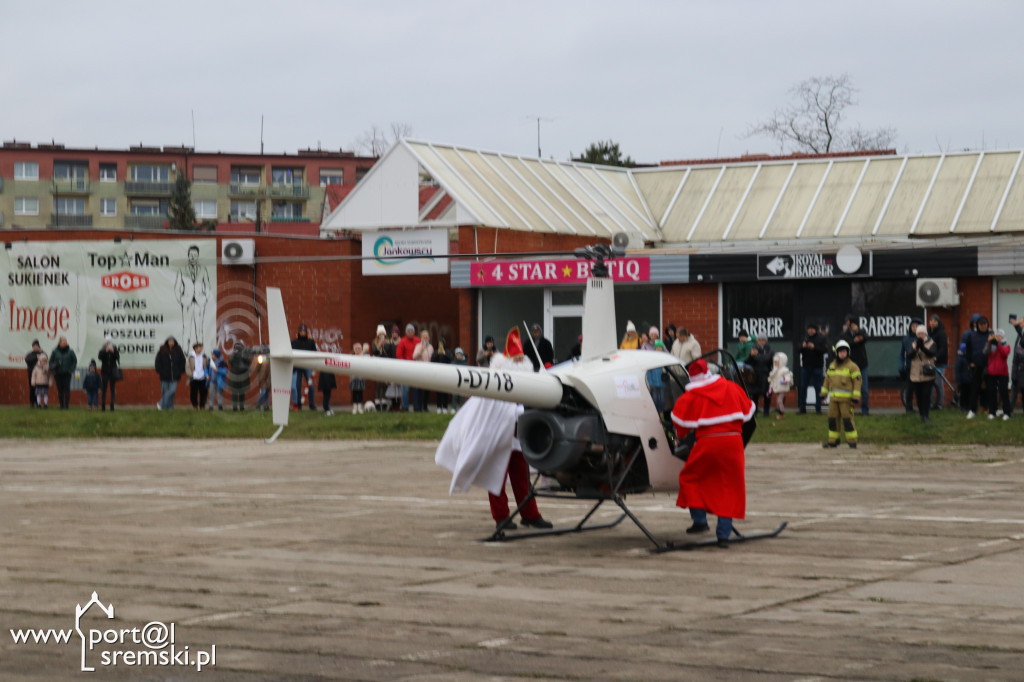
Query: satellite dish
point(928, 292)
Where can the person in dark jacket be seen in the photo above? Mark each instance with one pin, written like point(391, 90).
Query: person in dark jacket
point(761, 355)
point(976, 352)
point(302, 341)
point(669, 337)
point(937, 332)
point(812, 367)
point(961, 369)
point(31, 358)
point(110, 362)
point(63, 362)
point(169, 365)
point(545, 353)
point(238, 376)
point(858, 340)
point(442, 356)
point(326, 382)
point(91, 385)
point(1017, 371)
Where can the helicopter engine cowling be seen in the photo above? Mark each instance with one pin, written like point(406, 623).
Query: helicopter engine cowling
point(554, 442)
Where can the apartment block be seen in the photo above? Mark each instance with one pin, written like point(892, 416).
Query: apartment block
point(49, 185)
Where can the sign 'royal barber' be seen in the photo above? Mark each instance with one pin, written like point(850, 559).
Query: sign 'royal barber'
point(811, 266)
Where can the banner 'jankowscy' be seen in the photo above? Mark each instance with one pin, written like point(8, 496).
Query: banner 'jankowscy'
point(136, 292)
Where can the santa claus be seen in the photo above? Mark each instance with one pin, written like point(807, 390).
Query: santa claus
point(480, 446)
point(713, 479)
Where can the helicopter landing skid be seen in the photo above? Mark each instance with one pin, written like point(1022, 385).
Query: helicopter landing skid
point(671, 546)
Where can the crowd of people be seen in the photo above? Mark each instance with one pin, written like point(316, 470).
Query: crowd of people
point(982, 371)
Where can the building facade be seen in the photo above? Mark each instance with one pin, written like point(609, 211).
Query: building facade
point(48, 185)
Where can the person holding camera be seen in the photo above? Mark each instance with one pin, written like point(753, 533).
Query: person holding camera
point(976, 354)
point(906, 357)
point(812, 368)
point(998, 375)
point(922, 370)
point(1017, 374)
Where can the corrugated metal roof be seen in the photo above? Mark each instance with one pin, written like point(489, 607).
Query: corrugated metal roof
point(841, 197)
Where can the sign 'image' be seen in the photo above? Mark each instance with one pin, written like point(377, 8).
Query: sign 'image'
point(806, 266)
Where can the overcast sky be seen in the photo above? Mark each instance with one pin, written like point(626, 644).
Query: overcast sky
point(667, 80)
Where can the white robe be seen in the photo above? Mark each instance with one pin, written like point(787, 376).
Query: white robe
point(480, 439)
point(478, 443)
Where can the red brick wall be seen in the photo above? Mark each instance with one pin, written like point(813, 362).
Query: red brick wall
point(694, 306)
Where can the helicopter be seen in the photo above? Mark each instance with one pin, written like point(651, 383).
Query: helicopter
point(590, 425)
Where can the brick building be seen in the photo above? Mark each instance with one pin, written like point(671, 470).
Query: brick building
point(716, 246)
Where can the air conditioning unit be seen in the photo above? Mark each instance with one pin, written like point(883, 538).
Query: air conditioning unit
point(937, 292)
point(238, 251)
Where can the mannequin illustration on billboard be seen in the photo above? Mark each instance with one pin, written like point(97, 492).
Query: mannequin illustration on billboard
point(192, 287)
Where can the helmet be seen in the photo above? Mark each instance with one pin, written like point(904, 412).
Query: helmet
point(843, 344)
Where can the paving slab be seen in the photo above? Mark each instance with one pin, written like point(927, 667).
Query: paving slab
point(348, 560)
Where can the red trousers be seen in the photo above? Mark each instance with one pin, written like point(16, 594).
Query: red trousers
point(519, 476)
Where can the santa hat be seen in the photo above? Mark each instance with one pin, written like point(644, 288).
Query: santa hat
point(697, 369)
point(514, 344)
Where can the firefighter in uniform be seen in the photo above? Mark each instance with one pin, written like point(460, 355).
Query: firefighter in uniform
point(842, 386)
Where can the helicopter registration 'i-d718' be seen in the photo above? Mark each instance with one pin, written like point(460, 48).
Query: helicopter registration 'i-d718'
point(590, 424)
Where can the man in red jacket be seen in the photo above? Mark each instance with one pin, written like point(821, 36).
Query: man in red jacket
point(404, 351)
point(713, 478)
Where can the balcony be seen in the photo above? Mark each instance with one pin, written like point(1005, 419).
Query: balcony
point(294, 190)
point(244, 191)
point(147, 189)
point(71, 186)
point(71, 220)
point(145, 222)
point(286, 219)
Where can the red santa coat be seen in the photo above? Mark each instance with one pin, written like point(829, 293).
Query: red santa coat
point(713, 478)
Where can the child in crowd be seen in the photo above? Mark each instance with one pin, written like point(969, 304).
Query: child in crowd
point(780, 379)
point(41, 380)
point(357, 384)
point(218, 379)
point(91, 385)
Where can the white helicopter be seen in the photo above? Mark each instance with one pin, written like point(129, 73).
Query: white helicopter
point(591, 424)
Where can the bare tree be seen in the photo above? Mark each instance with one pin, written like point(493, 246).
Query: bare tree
point(376, 141)
point(814, 122)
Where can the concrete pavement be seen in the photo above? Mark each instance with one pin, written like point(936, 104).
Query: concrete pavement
point(349, 561)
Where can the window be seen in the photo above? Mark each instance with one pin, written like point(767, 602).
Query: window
point(204, 175)
point(205, 209)
point(26, 170)
point(73, 206)
point(243, 210)
point(64, 170)
point(150, 173)
point(289, 210)
point(247, 177)
point(108, 172)
point(361, 173)
point(287, 176)
point(26, 206)
point(148, 208)
point(331, 176)
point(108, 207)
